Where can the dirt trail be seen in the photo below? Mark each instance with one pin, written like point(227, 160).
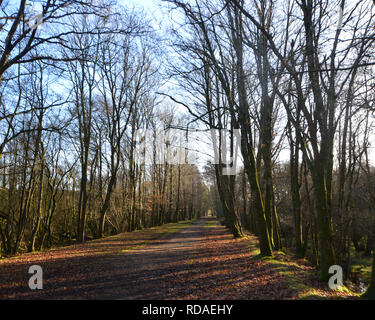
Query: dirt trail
point(139, 273)
point(200, 261)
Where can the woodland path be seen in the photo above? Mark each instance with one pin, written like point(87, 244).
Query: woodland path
point(200, 260)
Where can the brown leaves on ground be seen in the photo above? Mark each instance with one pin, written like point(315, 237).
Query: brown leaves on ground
point(224, 268)
point(199, 262)
point(82, 271)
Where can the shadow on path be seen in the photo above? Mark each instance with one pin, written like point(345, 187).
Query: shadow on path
point(142, 273)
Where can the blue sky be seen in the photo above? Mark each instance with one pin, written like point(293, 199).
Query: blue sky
point(152, 7)
point(150, 4)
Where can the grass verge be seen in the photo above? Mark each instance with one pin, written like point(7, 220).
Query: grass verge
point(301, 277)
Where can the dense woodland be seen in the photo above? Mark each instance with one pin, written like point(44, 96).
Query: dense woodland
point(295, 77)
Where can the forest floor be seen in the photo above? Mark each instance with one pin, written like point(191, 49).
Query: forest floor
point(186, 260)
